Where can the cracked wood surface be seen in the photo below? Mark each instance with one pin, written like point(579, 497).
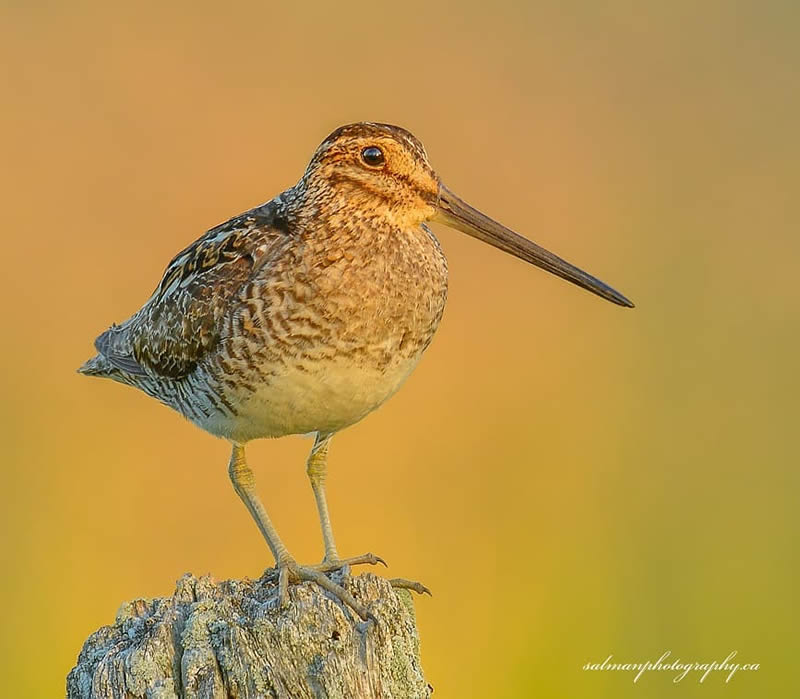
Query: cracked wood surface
point(228, 639)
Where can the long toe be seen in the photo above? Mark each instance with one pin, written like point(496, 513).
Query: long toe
point(329, 565)
point(404, 584)
point(310, 574)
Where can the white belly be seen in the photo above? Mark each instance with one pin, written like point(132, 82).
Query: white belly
point(324, 398)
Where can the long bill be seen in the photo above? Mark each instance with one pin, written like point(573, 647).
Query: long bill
point(458, 214)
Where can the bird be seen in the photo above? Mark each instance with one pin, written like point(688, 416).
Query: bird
point(303, 315)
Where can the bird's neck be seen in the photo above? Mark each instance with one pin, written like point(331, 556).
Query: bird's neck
point(349, 215)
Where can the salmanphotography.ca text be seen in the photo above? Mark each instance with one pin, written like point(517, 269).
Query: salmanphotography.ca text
point(681, 669)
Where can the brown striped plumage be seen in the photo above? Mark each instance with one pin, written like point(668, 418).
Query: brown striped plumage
point(306, 313)
point(336, 280)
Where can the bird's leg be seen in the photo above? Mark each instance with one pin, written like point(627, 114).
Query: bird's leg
point(317, 469)
point(244, 485)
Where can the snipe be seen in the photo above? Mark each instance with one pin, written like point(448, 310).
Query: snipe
point(306, 313)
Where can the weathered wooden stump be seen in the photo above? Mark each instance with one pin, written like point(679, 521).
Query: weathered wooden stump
point(228, 639)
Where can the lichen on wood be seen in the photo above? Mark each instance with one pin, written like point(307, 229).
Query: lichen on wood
point(229, 639)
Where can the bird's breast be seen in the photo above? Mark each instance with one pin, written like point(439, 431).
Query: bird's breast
point(331, 332)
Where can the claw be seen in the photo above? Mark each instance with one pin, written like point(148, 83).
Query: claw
point(369, 559)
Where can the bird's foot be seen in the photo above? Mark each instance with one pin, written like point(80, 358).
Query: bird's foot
point(290, 571)
point(404, 584)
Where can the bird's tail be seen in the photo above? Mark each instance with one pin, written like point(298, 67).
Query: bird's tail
point(97, 366)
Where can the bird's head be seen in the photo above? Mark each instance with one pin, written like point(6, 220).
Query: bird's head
point(374, 171)
point(380, 173)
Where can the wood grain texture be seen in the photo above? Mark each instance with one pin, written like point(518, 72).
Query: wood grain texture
point(227, 639)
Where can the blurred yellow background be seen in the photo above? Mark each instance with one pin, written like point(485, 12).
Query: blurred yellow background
point(571, 479)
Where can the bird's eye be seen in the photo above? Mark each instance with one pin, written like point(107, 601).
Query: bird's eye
point(372, 156)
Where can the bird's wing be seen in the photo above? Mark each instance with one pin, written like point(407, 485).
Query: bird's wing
point(182, 320)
